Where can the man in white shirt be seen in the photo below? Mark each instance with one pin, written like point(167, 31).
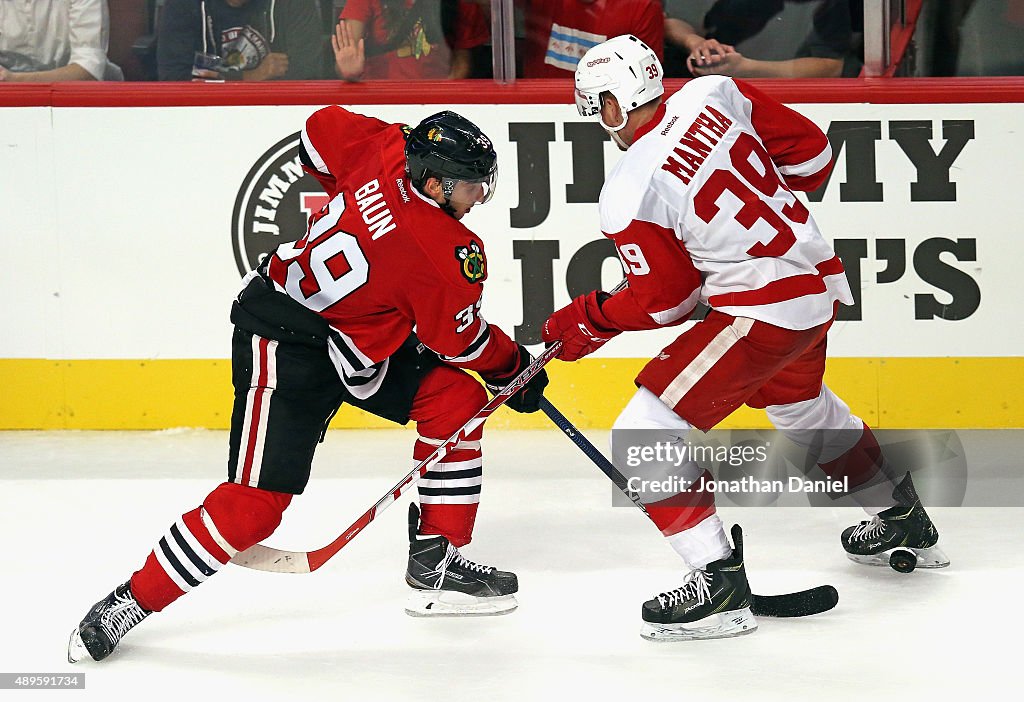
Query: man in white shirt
point(55, 40)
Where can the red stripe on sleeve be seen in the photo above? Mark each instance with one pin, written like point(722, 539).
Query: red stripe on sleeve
point(788, 136)
point(781, 290)
point(807, 183)
point(661, 277)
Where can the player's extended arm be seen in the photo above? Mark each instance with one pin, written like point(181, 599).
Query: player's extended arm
point(448, 322)
point(664, 287)
point(498, 359)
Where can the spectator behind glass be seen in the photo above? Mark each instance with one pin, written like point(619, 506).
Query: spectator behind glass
point(55, 40)
point(255, 39)
point(762, 38)
point(408, 39)
point(991, 39)
point(559, 32)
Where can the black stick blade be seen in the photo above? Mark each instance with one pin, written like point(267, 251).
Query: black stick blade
point(796, 604)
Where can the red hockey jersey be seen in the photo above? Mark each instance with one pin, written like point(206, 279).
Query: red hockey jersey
point(559, 32)
point(701, 208)
point(381, 260)
point(415, 57)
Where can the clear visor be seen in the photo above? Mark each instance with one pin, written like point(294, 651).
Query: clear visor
point(588, 104)
point(474, 192)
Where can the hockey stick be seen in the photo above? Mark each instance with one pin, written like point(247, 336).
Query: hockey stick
point(260, 557)
point(795, 604)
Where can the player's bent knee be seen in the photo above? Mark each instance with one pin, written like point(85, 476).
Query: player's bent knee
point(646, 411)
point(473, 396)
point(826, 411)
point(245, 515)
point(448, 398)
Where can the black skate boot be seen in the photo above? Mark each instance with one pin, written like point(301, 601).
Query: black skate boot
point(446, 583)
point(105, 624)
point(902, 536)
point(713, 603)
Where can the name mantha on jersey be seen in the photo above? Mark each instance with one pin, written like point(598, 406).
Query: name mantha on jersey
point(274, 204)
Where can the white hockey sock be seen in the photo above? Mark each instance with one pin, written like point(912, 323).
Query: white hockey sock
point(702, 544)
point(876, 498)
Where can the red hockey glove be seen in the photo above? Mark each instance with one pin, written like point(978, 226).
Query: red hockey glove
point(580, 326)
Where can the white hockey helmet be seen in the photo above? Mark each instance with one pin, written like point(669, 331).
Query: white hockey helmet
point(623, 66)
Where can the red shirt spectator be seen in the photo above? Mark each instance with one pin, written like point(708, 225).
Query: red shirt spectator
point(427, 44)
point(559, 32)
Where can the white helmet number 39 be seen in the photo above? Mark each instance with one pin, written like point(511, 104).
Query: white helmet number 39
point(623, 66)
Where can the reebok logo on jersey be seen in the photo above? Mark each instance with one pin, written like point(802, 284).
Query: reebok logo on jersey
point(400, 184)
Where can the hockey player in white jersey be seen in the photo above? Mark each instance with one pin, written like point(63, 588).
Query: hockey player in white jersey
point(701, 209)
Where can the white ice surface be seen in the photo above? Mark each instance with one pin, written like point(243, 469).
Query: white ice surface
point(79, 511)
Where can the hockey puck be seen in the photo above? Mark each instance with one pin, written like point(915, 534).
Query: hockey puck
point(903, 561)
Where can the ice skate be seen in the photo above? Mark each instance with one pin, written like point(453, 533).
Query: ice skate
point(902, 528)
point(713, 603)
point(446, 583)
point(104, 625)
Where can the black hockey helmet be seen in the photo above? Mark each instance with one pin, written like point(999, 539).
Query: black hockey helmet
point(449, 147)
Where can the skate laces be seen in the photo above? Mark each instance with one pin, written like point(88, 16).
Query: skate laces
point(452, 555)
point(695, 588)
point(868, 530)
point(121, 616)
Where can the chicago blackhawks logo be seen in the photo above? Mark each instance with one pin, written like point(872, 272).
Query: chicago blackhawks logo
point(274, 203)
point(474, 266)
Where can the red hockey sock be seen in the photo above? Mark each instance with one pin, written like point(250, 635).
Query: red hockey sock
point(233, 518)
point(860, 463)
point(450, 491)
point(683, 510)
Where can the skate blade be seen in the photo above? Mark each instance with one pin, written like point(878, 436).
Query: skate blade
point(932, 557)
point(76, 648)
point(445, 603)
point(737, 622)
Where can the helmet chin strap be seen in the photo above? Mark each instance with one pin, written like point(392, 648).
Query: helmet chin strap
point(613, 132)
point(447, 190)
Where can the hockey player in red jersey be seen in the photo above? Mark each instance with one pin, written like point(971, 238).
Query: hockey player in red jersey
point(701, 209)
point(377, 306)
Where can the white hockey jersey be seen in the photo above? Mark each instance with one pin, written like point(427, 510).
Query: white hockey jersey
point(701, 208)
